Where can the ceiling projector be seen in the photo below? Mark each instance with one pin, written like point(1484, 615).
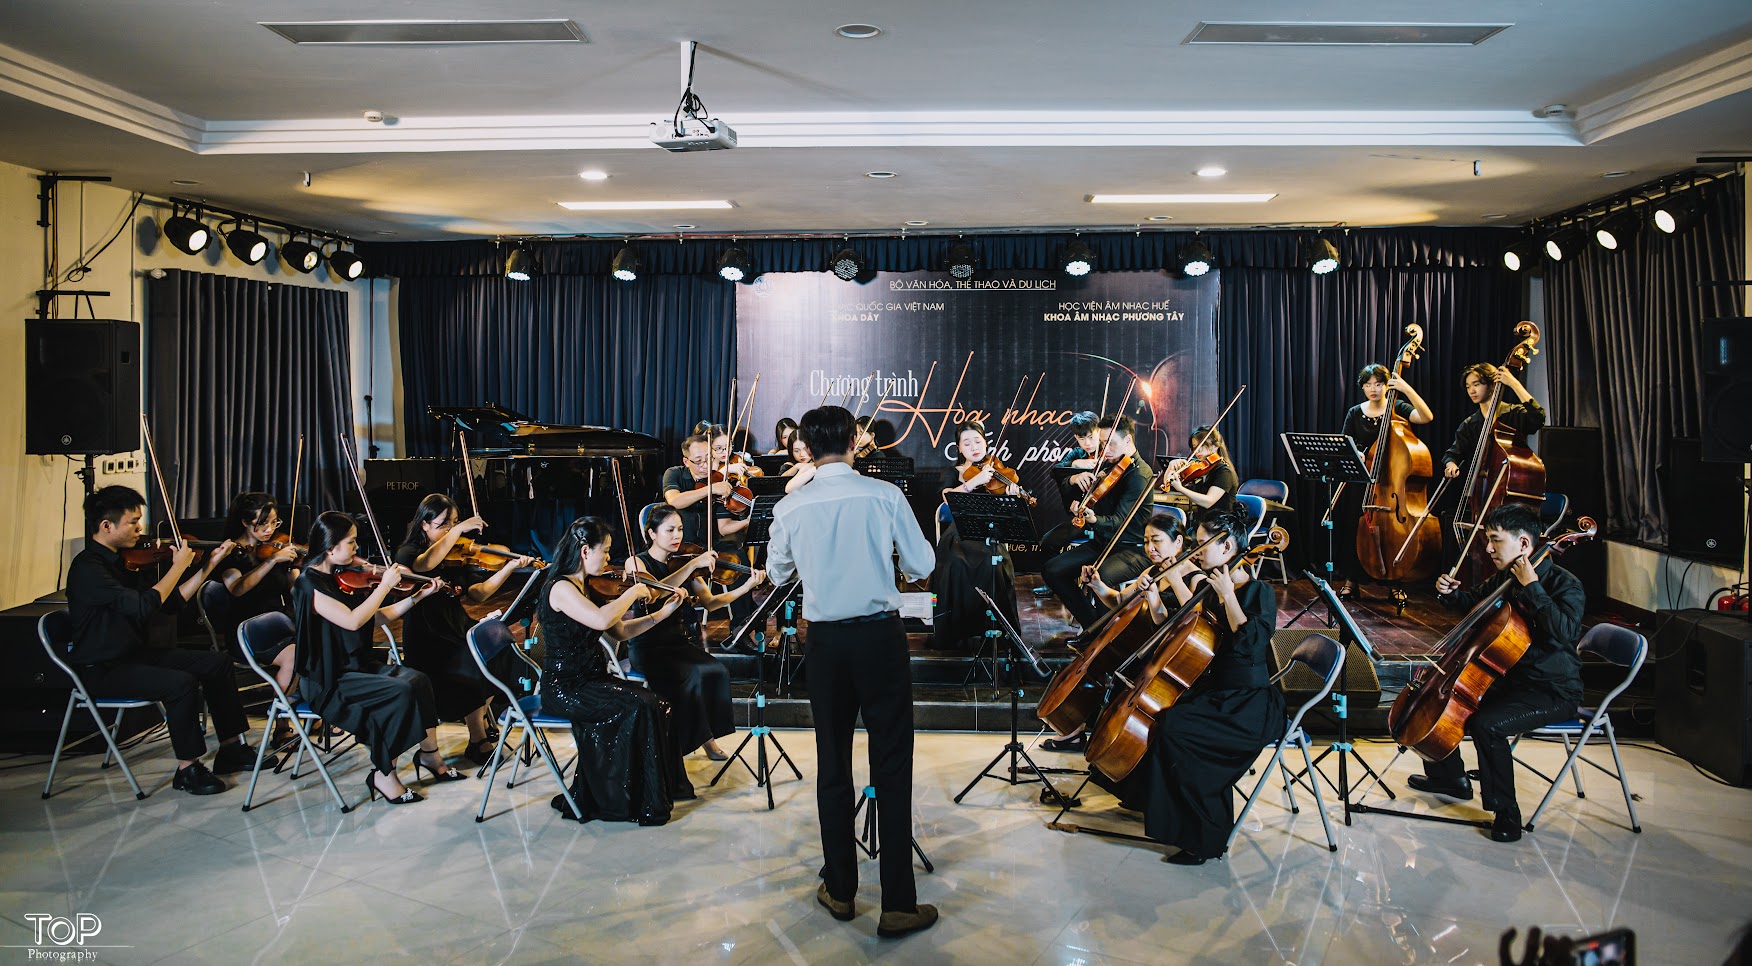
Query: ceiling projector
point(694, 134)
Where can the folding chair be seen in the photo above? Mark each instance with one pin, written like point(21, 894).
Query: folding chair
point(1268, 492)
point(1552, 512)
point(1255, 507)
point(55, 630)
point(1627, 649)
point(486, 640)
point(1325, 657)
point(213, 605)
point(276, 629)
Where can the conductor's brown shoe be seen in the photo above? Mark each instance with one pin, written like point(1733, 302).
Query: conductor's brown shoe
point(894, 924)
point(842, 911)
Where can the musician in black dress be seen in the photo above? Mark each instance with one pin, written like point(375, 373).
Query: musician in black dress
point(629, 769)
point(434, 636)
point(1542, 688)
point(672, 656)
point(801, 469)
point(1216, 488)
point(258, 576)
point(1122, 510)
point(1201, 745)
point(1362, 423)
point(389, 708)
point(967, 565)
point(783, 434)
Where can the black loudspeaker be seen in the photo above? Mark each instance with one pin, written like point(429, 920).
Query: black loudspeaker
point(1703, 690)
point(1572, 457)
point(1360, 682)
point(1705, 515)
point(1725, 353)
point(396, 487)
point(81, 386)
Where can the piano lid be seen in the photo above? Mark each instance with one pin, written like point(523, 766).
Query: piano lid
point(497, 428)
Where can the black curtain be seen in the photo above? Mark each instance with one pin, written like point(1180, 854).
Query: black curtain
point(1296, 340)
point(653, 356)
point(1623, 346)
point(238, 369)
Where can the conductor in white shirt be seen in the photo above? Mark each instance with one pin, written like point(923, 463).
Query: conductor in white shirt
point(840, 536)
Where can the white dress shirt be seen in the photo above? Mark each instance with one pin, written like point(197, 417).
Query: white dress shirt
point(839, 535)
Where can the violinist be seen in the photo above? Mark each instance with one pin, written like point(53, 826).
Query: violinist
point(1075, 475)
point(1543, 687)
point(741, 459)
point(1526, 416)
point(1216, 486)
point(113, 608)
point(672, 656)
point(629, 768)
point(1362, 423)
point(801, 469)
point(258, 573)
point(389, 708)
point(1201, 745)
point(685, 488)
point(1115, 518)
point(964, 566)
point(783, 434)
point(435, 634)
point(864, 446)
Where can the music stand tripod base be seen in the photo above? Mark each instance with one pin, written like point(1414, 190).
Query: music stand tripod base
point(868, 841)
point(764, 768)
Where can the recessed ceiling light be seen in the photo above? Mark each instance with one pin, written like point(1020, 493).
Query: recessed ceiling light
point(1493, 216)
point(382, 232)
point(1614, 174)
point(1211, 171)
point(1161, 218)
point(641, 205)
point(858, 31)
point(685, 227)
point(917, 223)
point(878, 174)
point(184, 182)
point(1181, 199)
point(593, 175)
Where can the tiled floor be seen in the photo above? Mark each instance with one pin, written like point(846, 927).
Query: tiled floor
point(188, 880)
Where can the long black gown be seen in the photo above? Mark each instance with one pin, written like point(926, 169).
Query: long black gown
point(628, 766)
point(675, 664)
point(1202, 744)
point(963, 568)
point(388, 708)
point(435, 643)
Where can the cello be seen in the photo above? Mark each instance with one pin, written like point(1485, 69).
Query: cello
point(1173, 659)
point(1501, 457)
point(1429, 716)
point(1397, 540)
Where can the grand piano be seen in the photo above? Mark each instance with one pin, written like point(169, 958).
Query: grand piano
point(530, 478)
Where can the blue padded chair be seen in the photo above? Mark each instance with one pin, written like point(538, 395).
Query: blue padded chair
point(1627, 649)
point(1255, 507)
point(1277, 491)
point(1552, 512)
point(486, 641)
point(260, 633)
point(1325, 657)
point(55, 630)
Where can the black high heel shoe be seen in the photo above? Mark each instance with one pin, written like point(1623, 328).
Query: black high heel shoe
point(407, 797)
point(448, 776)
point(480, 752)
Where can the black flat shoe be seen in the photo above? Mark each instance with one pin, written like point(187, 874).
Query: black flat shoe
point(234, 758)
point(446, 776)
point(196, 780)
point(1424, 783)
point(1076, 742)
point(1183, 857)
point(1506, 826)
point(407, 797)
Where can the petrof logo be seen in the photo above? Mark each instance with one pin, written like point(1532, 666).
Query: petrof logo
point(60, 938)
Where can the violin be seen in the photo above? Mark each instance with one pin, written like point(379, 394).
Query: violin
point(279, 542)
point(1191, 470)
point(358, 577)
point(148, 553)
point(723, 571)
point(1105, 483)
point(1429, 716)
point(487, 556)
point(1177, 654)
point(743, 465)
point(1003, 477)
point(738, 501)
point(611, 585)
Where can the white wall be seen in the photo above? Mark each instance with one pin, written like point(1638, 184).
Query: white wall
point(37, 536)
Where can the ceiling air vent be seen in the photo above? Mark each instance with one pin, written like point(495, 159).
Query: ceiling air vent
point(336, 33)
point(1346, 34)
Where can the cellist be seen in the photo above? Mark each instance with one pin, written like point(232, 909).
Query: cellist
point(1543, 687)
point(1201, 745)
point(1363, 425)
point(1115, 518)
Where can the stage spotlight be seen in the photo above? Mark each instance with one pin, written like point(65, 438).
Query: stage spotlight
point(1519, 256)
point(301, 256)
point(1078, 259)
point(186, 235)
point(521, 265)
point(249, 246)
point(626, 264)
point(961, 261)
point(1562, 243)
point(1194, 260)
point(345, 264)
point(1613, 231)
point(1323, 256)
point(847, 264)
point(734, 266)
point(1674, 215)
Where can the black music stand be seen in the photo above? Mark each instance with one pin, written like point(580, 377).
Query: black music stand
point(1330, 458)
point(1014, 749)
point(758, 732)
point(760, 520)
point(995, 518)
point(898, 470)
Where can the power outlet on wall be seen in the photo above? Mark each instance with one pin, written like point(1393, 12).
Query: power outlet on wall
point(118, 465)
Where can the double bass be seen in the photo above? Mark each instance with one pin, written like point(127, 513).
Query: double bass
point(1503, 469)
point(1174, 658)
point(1429, 716)
point(1397, 539)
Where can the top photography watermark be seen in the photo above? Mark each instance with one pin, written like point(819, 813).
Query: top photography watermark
point(63, 939)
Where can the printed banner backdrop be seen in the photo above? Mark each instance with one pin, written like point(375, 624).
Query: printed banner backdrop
point(1022, 352)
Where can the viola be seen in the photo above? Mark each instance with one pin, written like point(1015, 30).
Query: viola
point(1193, 469)
point(1103, 484)
point(279, 542)
point(1003, 477)
point(738, 501)
point(1396, 537)
point(487, 556)
point(723, 571)
point(1503, 468)
point(611, 585)
point(148, 553)
point(1172, 660)
point(1429, 716)
point(357, 577)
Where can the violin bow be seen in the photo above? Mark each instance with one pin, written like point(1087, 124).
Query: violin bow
point(474, 506)
point(292, 512)
point(158, 474)
point(620, 493)
point(1003, 423)
point(359, 487)
point(1218, 422)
